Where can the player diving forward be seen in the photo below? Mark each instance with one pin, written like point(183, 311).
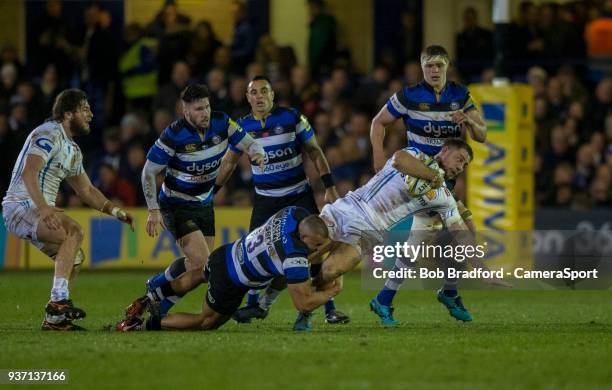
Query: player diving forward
point(280, 247)
point(49, 156)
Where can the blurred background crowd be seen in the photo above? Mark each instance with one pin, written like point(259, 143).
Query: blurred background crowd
point(134, 81)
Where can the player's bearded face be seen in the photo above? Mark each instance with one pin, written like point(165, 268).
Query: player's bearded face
point(79, 124)
point(198, 113)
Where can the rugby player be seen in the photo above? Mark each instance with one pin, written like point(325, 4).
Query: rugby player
point(49, 156)
point(280, 247)
point(358, 221)
point(433, 110)
point(283, 133)
point(190, 151)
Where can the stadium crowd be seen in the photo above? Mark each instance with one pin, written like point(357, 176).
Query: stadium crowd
point(134, 91)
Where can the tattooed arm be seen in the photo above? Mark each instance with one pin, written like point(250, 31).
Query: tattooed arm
point(149, 187)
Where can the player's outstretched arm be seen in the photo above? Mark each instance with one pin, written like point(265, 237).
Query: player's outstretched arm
point(377, 136)
point(94, 198)
point(305, 299)
point(316, 155)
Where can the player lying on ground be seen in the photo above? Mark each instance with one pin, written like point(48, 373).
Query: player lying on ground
point(410, 183)
point(49, 156)
point(278, 248)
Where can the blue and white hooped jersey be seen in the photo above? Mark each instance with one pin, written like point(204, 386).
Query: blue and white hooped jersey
point(280, 134)
point(192, 162)
point(273, 249)
point(427, 119)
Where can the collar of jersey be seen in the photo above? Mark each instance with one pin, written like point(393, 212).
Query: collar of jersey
point(431, 89)
point(189, 127)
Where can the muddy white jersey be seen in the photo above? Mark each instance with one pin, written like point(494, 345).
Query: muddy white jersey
point(389, 196)
point(62, 158)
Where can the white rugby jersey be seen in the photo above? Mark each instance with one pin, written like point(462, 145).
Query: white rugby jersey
point(386, 199)
point(62, 158)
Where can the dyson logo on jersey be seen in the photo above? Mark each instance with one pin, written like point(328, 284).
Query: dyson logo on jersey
point(201, 168)
point(438, 130)
point(270, 154)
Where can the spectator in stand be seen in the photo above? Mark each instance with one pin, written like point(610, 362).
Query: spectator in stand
point(109, 155)
point(204, 44)
point(9, 149)
point(304, 93)
point(474, 45)
point(132, 163)
point(9, 55)
point(174, 42)
point(321, 39)
point(116, 188)
point(244, 41)
point(53, 41)
point(169, 93)
point(526, 40)
point(8, 85)
point(237, 105)
point(602, 104)
point(161, 119)
point(215, 80)
point(49, 88)
point(537, 78)
point(138, 68)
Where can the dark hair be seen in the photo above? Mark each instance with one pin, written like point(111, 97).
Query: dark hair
point(315, 225)
point(194, 92)
point(460, 144)
point(259, 77)
point(68, 100)
point(434, 50)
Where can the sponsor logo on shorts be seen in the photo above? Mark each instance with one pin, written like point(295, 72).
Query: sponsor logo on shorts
point(278, 130)
point(454, 106)
point(216, 140)
point(424, 107)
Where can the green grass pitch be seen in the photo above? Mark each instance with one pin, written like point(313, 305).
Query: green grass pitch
point(519, 339)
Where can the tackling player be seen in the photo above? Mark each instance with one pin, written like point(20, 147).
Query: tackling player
point(280, 247)
point(282, 182)
point(49, 156)
point(190, 150)
point(433, 110)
